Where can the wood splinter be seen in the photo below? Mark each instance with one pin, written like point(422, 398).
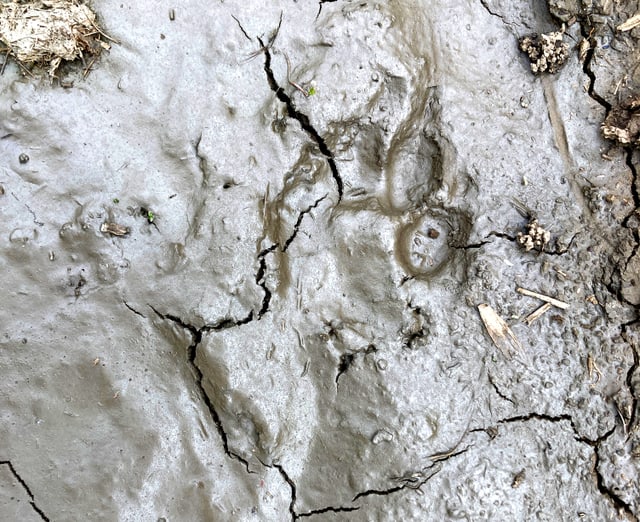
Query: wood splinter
point(551, 300)
point(499, 331)
point(534, 316)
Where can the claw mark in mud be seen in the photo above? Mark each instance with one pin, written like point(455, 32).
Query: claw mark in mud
point(192, 351)
point(302, 118)
point(26, 488)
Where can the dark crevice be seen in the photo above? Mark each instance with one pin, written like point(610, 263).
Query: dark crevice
point(302, 118)
point(501, 235)
point(262, 283)
point(630, 372)
point(292, 486)
point(555, 252)
point(320, 6)
point(133, 309)
point(299, 222)
point(327, 510)
point(586, 68)
point(549, 418)
point(560, 251)
point(26, 488)
point(192, 352)
point(242, 29)
point(613, 497)
point(346, 359)
point(493, 13)
point(497, 390)
point(472, 245)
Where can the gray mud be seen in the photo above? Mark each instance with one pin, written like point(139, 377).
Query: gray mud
point(290, 328)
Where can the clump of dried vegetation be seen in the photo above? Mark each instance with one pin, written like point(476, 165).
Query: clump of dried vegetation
point(46, 32)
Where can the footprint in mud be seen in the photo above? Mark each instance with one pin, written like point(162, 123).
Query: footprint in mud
point(423, 246)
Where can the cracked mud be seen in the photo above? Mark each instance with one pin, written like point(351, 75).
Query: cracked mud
point(288, 329)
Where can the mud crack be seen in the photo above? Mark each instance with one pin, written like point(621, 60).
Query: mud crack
point(613, 497)
point(485, 4)
point(320, 6)
point(302, 119)
point(630, 373)
point(26, 488)
point(586, 68)
point(292, 486)
point(301, 216)
point(192, 352)
point(346, 359)
point(261, 281)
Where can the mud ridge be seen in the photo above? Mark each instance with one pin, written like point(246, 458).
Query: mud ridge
point(26, 488)
point(302, 118)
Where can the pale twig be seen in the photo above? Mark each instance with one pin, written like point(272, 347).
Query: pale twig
point(542, 297)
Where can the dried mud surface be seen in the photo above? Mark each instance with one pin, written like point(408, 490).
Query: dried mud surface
point(289, 329)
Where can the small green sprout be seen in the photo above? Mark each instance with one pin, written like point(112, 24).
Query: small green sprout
point(150, 216)
point(116, 200)
point(311, 91)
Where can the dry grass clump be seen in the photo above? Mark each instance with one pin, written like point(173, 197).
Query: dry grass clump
point(45, 32)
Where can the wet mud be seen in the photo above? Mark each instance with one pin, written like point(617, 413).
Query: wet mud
point(242, 260)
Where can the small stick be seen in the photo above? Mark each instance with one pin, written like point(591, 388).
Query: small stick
point(88, 68)
point(534, 316)
point(4, 64)
point(632, 22)
point(542, 297)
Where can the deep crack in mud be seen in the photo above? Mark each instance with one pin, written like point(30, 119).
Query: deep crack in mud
point(24, 485)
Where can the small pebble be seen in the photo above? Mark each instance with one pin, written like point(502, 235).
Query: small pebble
point(382, 436)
